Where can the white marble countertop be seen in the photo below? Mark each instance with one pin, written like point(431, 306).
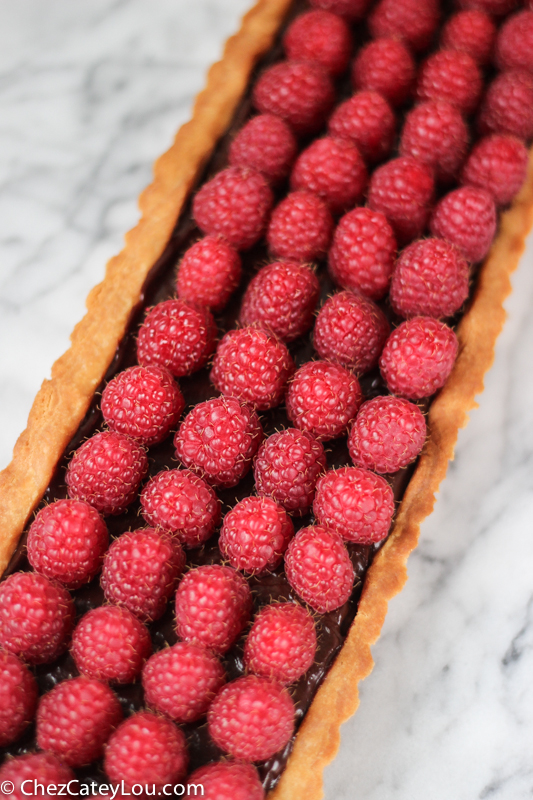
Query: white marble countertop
point(90, 94)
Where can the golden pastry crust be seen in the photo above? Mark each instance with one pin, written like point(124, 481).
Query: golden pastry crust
point(63, 401)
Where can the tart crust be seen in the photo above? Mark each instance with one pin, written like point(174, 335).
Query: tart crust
point(63, 401)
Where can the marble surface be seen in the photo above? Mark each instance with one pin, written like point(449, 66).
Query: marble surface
point(90, 94)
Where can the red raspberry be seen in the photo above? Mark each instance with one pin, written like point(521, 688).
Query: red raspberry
point(497, 164)
point(387, 435)
point(451, 76)
point(178, 336)
point(106, 471)
point(252, 365)
point(367, 120)
point(435, 134)
point(508, 105)
point(287, 467)
point(213, 605)
point(282, 298)
point(44, 768)
point(179, 501)
point(514, 45)
point(146, 749)
point(36, 617)
point(266, 144)
point(181, 681)
point(319, 569)
point(18, 698)
point(350, 9)
point(209, 273)
point(300, 227)
point(334, 170)
point(351, 330)
point(110, 644)
point(281, 644)
point(496, 8)
point(227, 780)
point(218, 440)
point(414, 21)
point(418, 357)
point(430, 278)
point(234, 204)
point(471, 32)
point(255, 534)
point(66, 542)
point(319, 36)
point(355, 503)
point(140, 571)
point(143, 403)
point(363, 252)
point(385, 66)
point(402, 189)
point(323, 398)
point(300, 92)
point(466, 217)
point(75, 720)
point(251, 718)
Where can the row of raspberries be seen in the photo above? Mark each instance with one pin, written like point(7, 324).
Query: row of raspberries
point(421, 288)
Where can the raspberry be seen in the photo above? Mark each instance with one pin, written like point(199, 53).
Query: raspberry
point(183, 503)
point(418, 357)
point(143, 403)
point(350, 9)
point(355, 503)
point(363, 252)
point(497, 164)
point(453, 77)
point(334, 170)
point(255, 534)
point(44, 768)
point(471, 32)
point(287, 467)
point(218, 440)
point(351, 330)
point(414, 21)
point(178, 336)
point(496, 8)
point(181, 681)
point(18, 697)
point(430, 278)
point(387, 435)
point(252, 365)
point(402, 189)
point(66, 542)
point(385, 66)
point(227, 780)
point(209, 273)
point(323, 398)
point(282, 298)
point(146, 749)
point(110, 644)
point(266, 144)
point(508, 105)
point(319, 569)
point(466, 217)
point(106, 471)
point(300, 92)
point(319, 36)
point(367, 120)
point(75, 720)
point(435, 134)
point(281, 644)
point(140, 571)
point(213, 605)
point(514, 45)
point(300, 227)
point(36, 617)
point(251, 718)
